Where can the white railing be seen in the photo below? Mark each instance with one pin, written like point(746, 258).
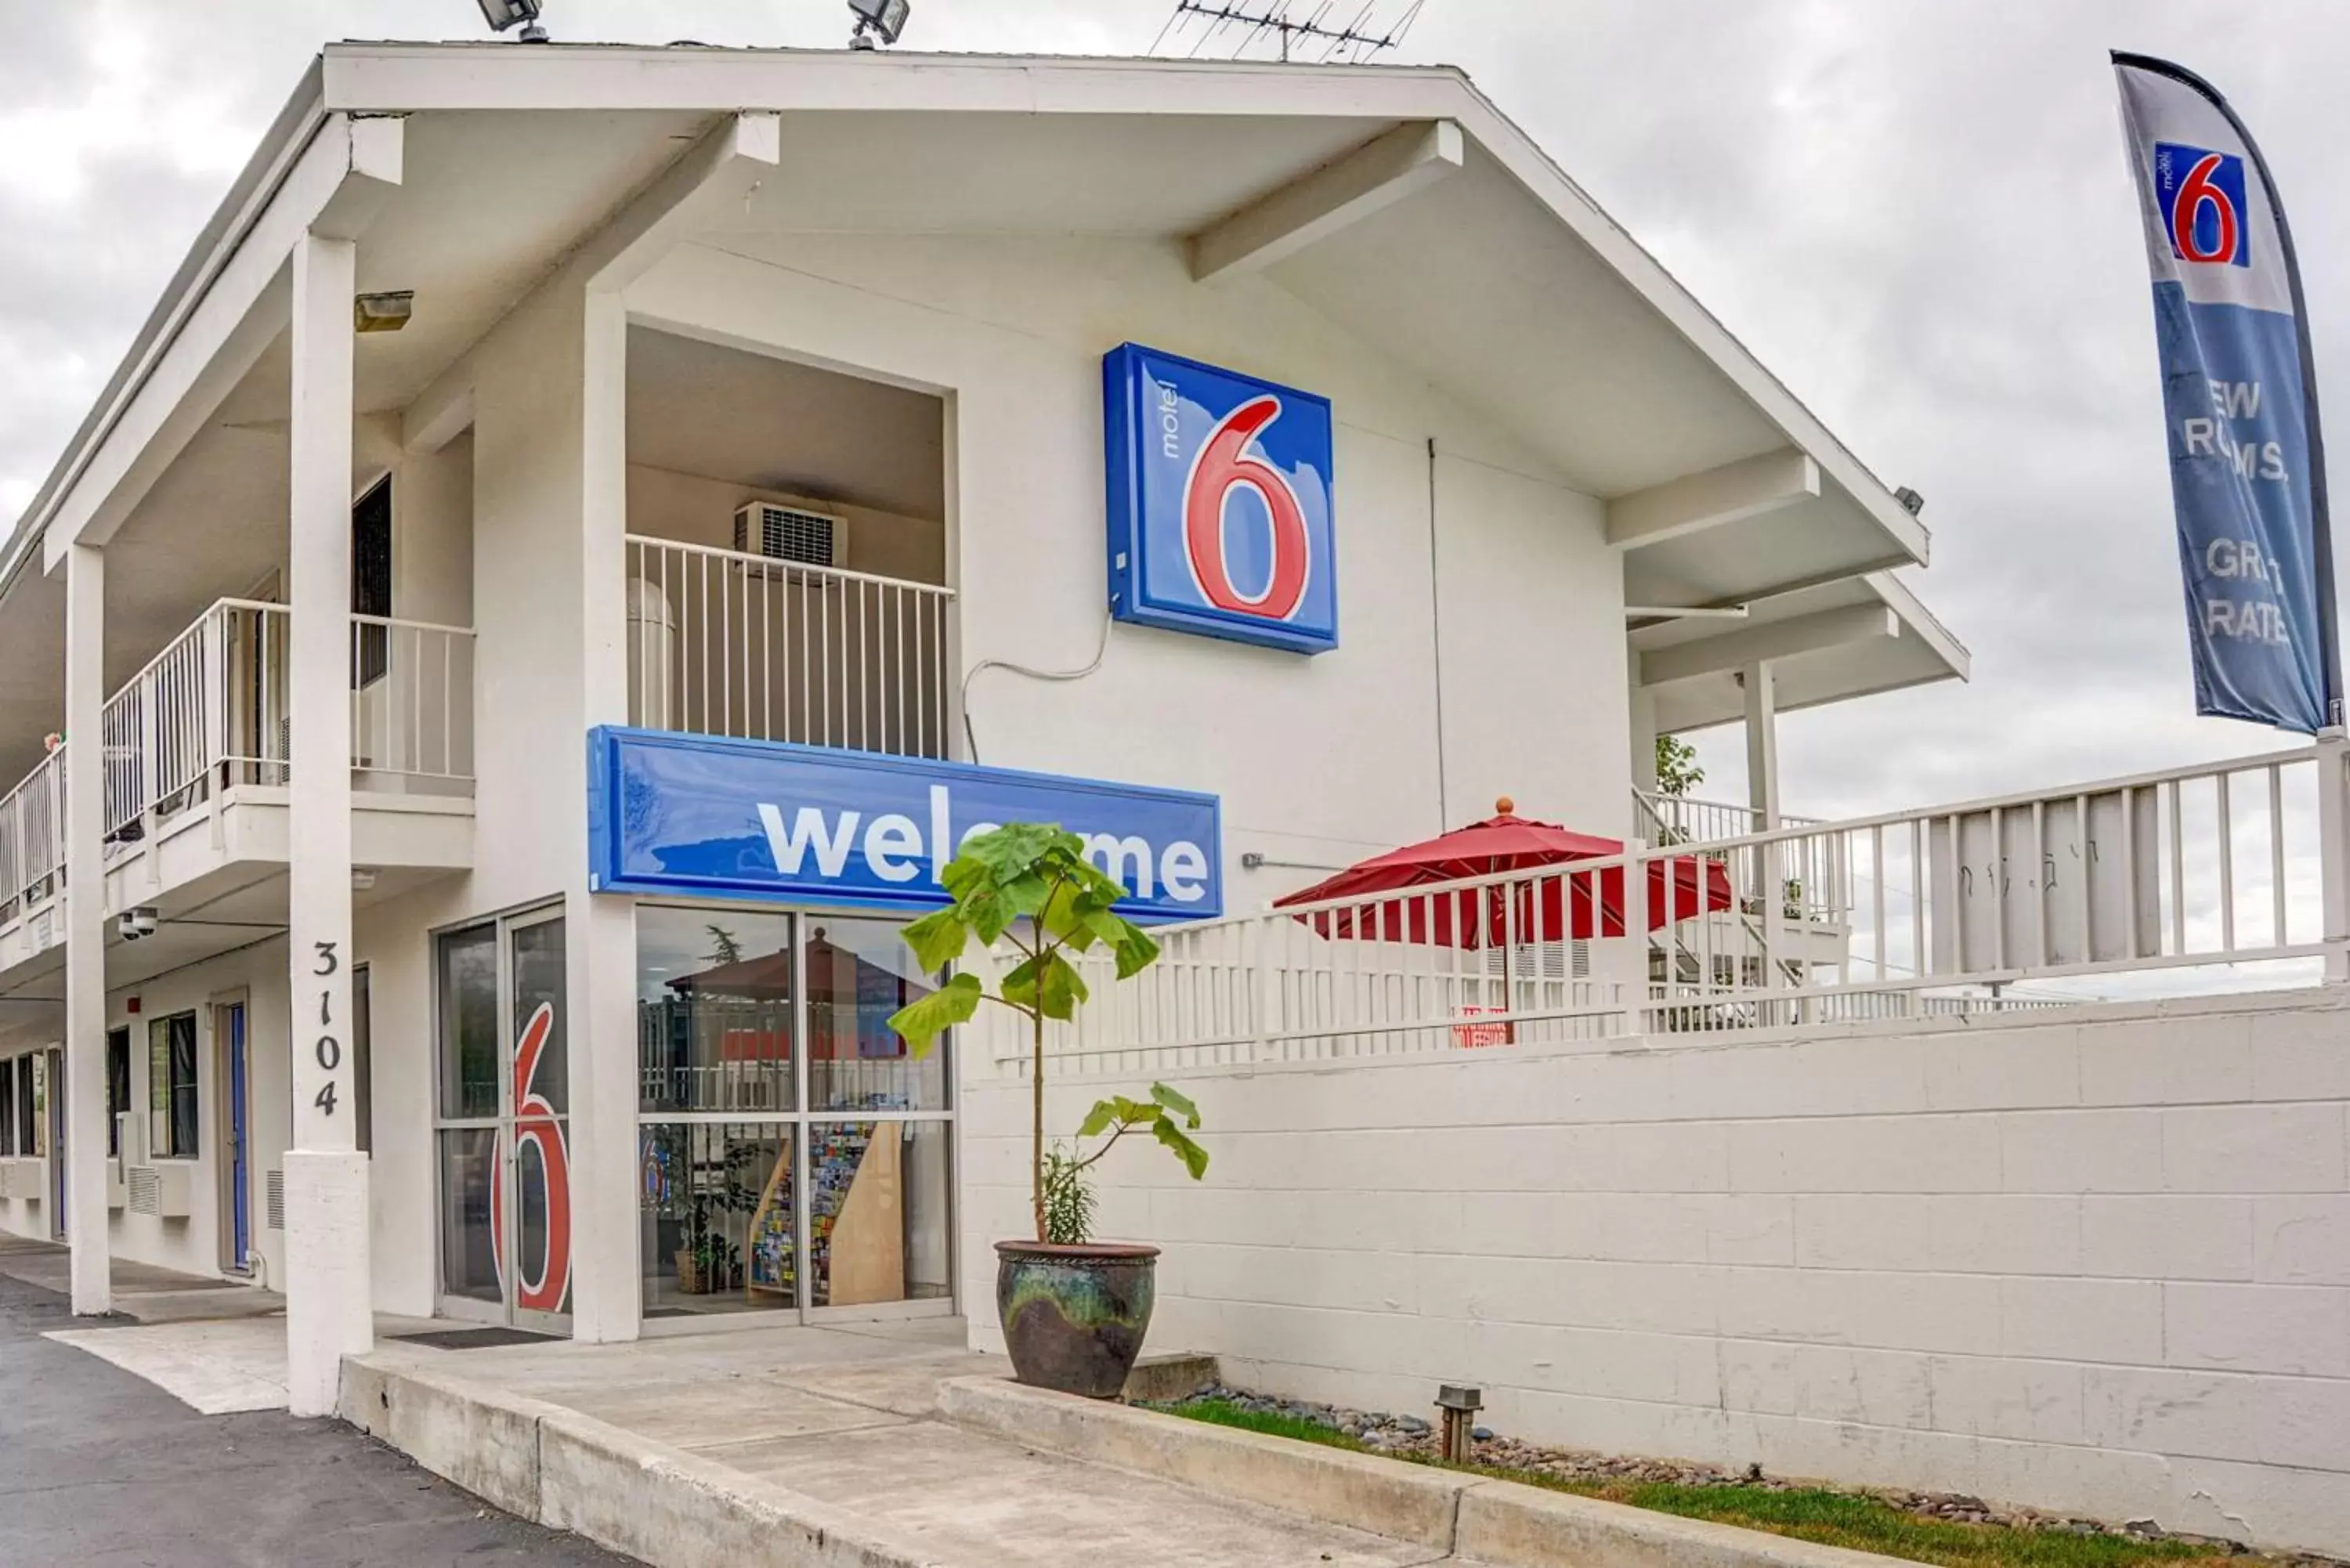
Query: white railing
point(33, 837)
point(724, 643)
point(210, 712)
point(1677, 819)
point(1941, 913)
point(2210, 867)
point(411, 703)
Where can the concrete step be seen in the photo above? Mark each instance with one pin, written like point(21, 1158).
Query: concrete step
point(701, 1457)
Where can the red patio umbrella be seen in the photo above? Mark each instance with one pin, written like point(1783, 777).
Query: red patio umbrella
point(1538, 909)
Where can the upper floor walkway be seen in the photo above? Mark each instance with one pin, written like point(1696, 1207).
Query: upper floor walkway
point(196, 750)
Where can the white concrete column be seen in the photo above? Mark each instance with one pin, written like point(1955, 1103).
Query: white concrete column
point(1761, 743)
point(327, 1308)
point(606, 1289)
point(85, 803)
point(2333, 847)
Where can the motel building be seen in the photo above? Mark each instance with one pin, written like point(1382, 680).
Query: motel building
point(587, 531)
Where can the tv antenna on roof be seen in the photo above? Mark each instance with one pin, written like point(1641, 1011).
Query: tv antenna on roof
point(1318, 30)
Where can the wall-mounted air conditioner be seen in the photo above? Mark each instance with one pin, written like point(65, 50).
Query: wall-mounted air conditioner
point(791, 534)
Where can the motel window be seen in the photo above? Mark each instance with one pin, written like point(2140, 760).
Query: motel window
point(7, 1108)
point(362, 1064)
point(171, 1110)
point(118, 1087)
point(371, 583)
point(28, 1110)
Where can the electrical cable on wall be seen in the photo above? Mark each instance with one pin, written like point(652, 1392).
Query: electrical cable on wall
point(970, 734)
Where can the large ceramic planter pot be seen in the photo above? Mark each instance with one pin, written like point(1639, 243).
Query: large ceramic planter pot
point(1074, 1317)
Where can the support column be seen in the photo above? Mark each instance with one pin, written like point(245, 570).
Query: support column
point(1761, 743)
point(85, 1052)
point(608, 1282)
point(2333, 847)
point(328, 1311)
point(1763, 795)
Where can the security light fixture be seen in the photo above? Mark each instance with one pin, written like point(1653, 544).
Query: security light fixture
point(386, 312)
point(502, 14)
point(1911, 502)
point(886, 17)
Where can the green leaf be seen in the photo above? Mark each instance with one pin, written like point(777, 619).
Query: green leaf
point(922, 1021)
point(1137, 949)
point(937, 939)
point(1134, 1113)
point(1099, 1120)
point(1063, 988)
point(1194, 1158)
point(1176, 1103)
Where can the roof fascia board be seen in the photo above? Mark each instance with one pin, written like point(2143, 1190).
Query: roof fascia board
point(1916, 618)
point(1778, 639)
point(281, 147)
point(419, 77)
point(1534, 169)
point(1371, 179)
point(344, 173)
point(1749, 487)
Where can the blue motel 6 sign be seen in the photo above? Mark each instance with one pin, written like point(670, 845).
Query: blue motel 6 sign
point(701, 814)
point(1221, 504)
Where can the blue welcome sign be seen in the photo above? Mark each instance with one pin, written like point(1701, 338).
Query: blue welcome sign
point(671, 813)
point(1221, 506)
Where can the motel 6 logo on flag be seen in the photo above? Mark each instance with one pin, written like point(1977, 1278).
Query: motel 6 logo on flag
point(2201, 197)
point(1220, 508)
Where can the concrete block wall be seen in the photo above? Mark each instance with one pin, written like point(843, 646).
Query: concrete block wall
point(2097, 1261)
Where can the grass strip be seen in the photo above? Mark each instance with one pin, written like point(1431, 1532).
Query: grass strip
point(1828, 1517)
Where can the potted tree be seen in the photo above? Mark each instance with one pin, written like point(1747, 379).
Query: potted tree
point(1074, 1311)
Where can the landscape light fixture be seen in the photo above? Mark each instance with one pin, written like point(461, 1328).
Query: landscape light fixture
point(887, 17)
point(504, 13)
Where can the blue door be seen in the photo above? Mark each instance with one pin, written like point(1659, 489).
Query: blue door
point(240, 1187)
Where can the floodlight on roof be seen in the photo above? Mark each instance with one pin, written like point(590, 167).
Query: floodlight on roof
point(502, 14)
point(886, 17)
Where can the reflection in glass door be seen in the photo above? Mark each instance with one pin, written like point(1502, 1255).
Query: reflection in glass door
point(792, 1155)
point(502, 1123)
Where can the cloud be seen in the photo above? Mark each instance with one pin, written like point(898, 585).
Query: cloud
point(1915, 213)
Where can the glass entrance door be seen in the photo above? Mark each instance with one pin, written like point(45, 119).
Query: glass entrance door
point(502, 1123)
point(52, 1114)
point(236, 1216)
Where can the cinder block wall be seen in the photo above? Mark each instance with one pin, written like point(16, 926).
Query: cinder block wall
point(2096, 1261)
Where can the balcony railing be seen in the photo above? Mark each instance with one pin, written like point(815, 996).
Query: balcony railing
point(724, 643)
point(209, 712)
point(33, 837)
point(2191, 880)
point(1678, 819)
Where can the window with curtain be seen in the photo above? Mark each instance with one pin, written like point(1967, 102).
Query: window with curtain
point(174, 1128)
point(118, 1086)
point(7, 1108)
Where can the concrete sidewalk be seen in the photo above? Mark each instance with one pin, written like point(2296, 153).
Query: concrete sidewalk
point(800, 1446)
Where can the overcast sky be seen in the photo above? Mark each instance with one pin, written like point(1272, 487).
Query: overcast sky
point(1915, 212)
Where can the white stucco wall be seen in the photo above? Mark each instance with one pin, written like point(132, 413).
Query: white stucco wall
point(2100, 1267)
point(1319, 759)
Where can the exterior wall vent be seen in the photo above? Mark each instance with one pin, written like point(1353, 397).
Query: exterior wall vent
point(274, 1201)
point(790, 533)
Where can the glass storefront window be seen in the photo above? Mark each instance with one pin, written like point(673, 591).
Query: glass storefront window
point(717, 1215)
point(877, 1212)
point(860, 974)
point(469, 1169)
point(714, 993)
point(469, 1024)
point(772, 1175)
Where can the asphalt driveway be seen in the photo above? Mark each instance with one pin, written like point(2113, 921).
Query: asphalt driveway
point(101, 1469)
